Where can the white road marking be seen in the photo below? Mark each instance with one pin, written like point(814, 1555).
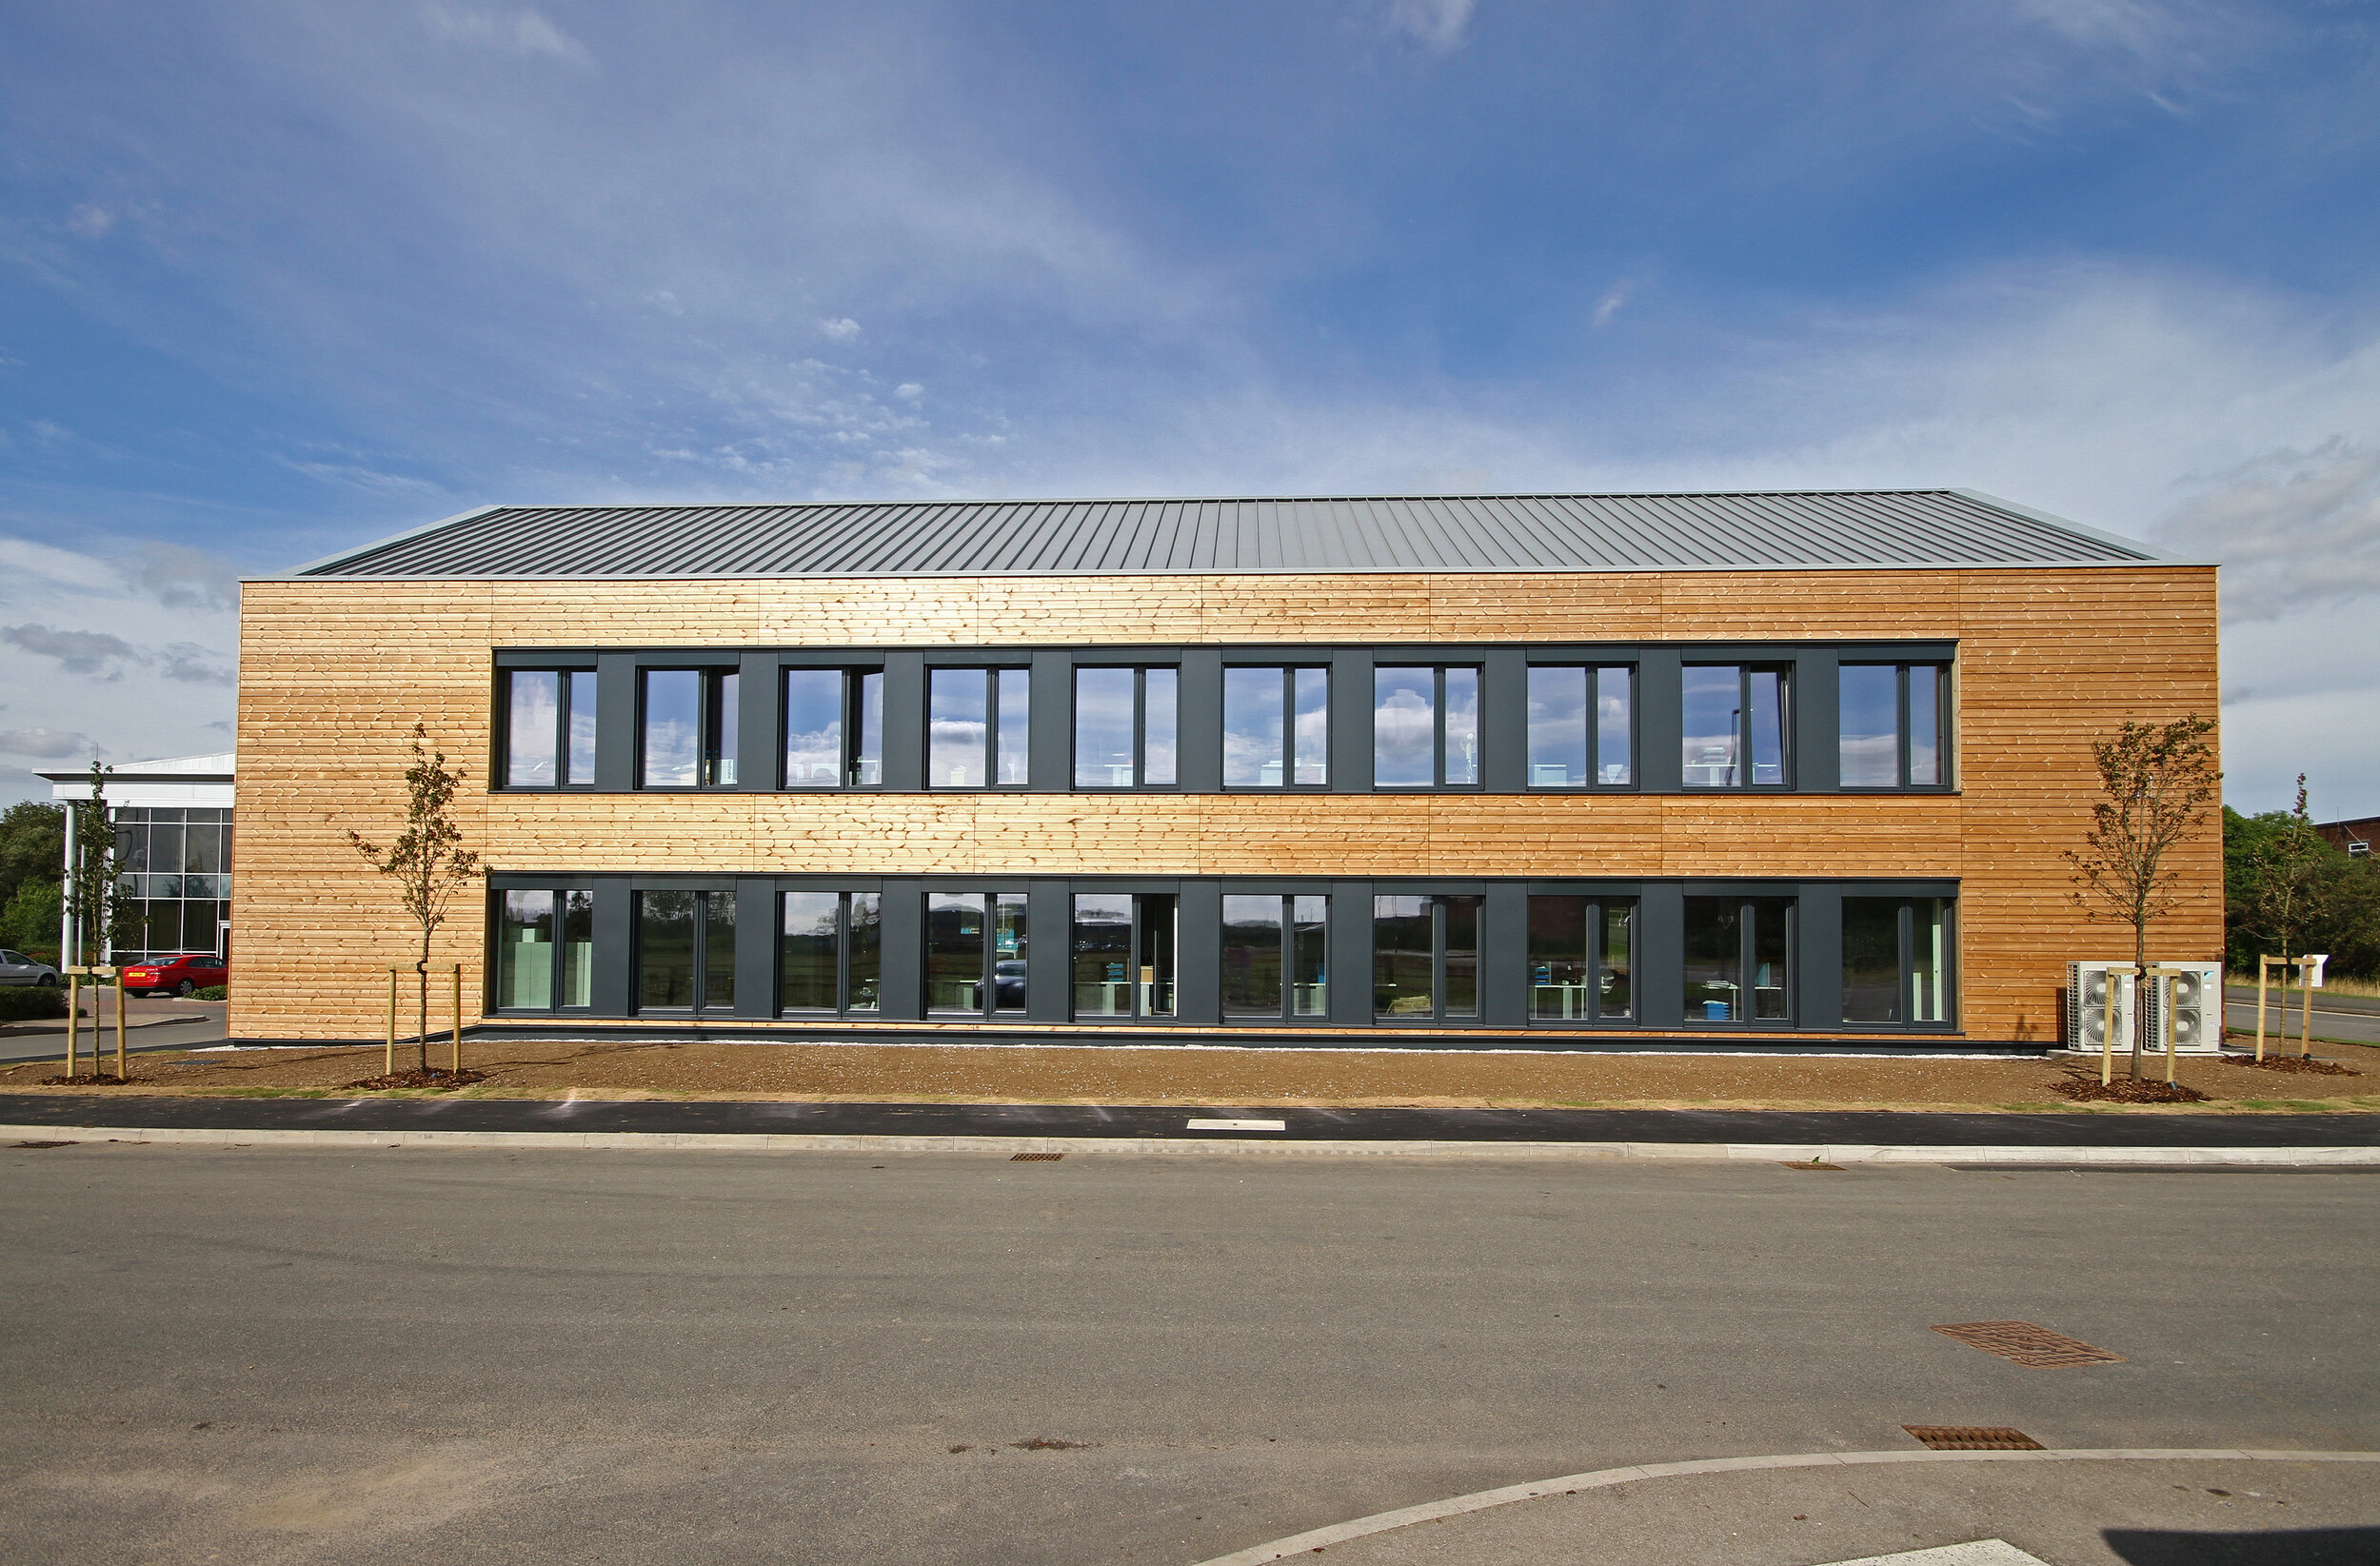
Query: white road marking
point(1238, 1125)
point(1983, 1552)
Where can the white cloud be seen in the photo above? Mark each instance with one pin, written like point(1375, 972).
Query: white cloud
point(44, 744)
point(909, 391)
point(182, 577)
point(1437, 25)
point(1609, 306)
point(841, 328)
point(2294, 529)
point(90, 222)
point(522, 32)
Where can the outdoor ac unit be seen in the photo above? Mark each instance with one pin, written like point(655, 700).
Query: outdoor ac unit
point(2197, 1008)
point(2087, 992)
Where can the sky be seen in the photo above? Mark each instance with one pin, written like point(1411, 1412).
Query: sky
point(278, 277)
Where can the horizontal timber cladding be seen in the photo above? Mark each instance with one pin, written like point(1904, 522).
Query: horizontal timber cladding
point(334, 675)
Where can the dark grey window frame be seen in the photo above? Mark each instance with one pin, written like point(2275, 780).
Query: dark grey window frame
point(1747, 937)
point(1438, 892)
point(1636, 729)
point(1942, 727)
point(1596, 900)
point(1291, 669)
point(1789, 698)
point(1136, 890)
point(843, 1010)
point(1438, 726)
point(1288, 1013)
point(1908, 936)
point(709, 705)
point(494, 960)
point(705, 888)
point(853, 677)
point(991, 889)
point(499, 752)
point(1140, 728)
point(997, 669)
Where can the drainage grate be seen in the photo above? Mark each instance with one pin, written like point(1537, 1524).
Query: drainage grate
point(1035, 1158)
point(1973, 1437)
point(45, 1144)
point(2026, 1345)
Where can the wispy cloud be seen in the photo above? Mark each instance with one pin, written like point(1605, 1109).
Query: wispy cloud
point(92, 653)
point(520, 31)
point(2293, 528)
point(1437, 25)
point(45, 744)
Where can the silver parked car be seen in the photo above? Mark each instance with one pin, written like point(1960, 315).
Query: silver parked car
point(17, 969)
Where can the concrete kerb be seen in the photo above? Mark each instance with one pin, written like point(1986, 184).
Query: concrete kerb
point(830, 1143)
point(1382, 1522)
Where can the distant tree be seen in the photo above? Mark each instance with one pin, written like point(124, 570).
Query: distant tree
point(32, 847)
point(2159, 781)
point(31, 921)
point(2340, 896)
point(2286, 889)
point(428, 861)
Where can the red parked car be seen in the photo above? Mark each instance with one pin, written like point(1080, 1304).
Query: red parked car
point(177, 975)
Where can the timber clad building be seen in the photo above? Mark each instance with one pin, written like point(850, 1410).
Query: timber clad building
point(1573, 769)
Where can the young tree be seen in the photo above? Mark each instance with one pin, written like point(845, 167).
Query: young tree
point(2160, 781)
point(97, 910)
point(427, 860)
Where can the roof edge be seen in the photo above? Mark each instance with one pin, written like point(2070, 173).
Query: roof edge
point(2051, 519)
point(352, 551)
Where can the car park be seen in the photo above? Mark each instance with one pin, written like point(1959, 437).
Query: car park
point(17, 969)
point(176, 975)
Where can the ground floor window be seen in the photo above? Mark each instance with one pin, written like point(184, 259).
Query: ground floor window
point(975, 953)
point(1739, 966)
point(1896, 959)
point(830, 952)
point(1581, 959)
point(686, 951)
point(545, 950)
point(175, 879)
point(1425, 958)
point(1125, 953)
point(1276, 952)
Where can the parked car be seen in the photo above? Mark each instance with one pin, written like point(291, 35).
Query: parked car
point(1009, 983)
point(176, 975)
point(17, 969)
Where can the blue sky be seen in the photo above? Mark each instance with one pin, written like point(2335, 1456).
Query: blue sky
point(279, 277)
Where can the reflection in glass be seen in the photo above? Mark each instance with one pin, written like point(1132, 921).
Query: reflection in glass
point(525, 951)
point(1008, 951)
point(1615, 733)
point(1772, 996)
point(1310, 728)
point(664, 949)
point(1615, 990)
point(673, 716)
point(1255, 728)
point(578, 948)
point(1403, 959)
point(1462, 727)
point(1460, 916)
point(1871, 957)
point(1925, 723)
point(1404, 727)
point(1160, 704)
point(1103, 954)
point(814, 728)
point(532, 728)
point(954, 952)
point(1560, 960)
point(1014, 692)
point(1715, 959)
point(868, 757)
point(1767, 689)
point(1557, 727)
point(958, 726)
point(1931, 936)
point(1252, 956)
point(719, 745)
point(580, 688)
point(719, 950)
point(1102, 728)
point(1869, 724)
point(810, 952)
point(1309, 956)
point(1711, 699)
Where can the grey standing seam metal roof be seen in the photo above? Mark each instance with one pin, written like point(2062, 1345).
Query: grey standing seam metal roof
point(1792, 530)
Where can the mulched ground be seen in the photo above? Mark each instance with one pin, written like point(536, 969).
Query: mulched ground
point(106, 1080)
point(2124, 1090)
point(436, 1078)
point(2300, 1064)
point(873, 1072)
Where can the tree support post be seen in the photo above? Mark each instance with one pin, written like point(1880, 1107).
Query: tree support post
point(94, 1054)
point(2264, 974)
point(74, 1021)
point(388, 1062)
point(457, 1057)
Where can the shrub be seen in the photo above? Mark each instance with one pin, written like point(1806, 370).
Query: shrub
point(27, 1003)
point(211, 992)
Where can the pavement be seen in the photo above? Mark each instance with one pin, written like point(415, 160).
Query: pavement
point(148, 1024)
point(434, 1357)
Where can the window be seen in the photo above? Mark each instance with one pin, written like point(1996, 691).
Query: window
point(689, 729)
point(1425, 958)
point(1581, 726)
point(975, 953)
point(1277, 727)
point(686, 951)
point(1896, 959)
point(1581, 959)
point(173, 869)
point(1274, 956)
point(1733, 726)
point(830, 953)
point(1425, 727)
point(550, 728)
point(545, 950)
point(1738, 960)
point(1124, 723)
point(975, 722)
point(1892, 725)
point(834, 728)
point(1124, 953)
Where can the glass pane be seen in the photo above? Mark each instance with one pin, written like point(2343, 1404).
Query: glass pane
point(131, 846)
point(1557, 727)
point(1309, 984)
point(525, 951)
point(664, 949)
point(202, 850)
point(1102, 728)
point(1772, 993)
point(1462, 726)
point(1869, 725)
point(1930, 959)
point(1614, 736)
point(957, 725)
point(1404, 727)
point(809, 947)
point(165, 852)
point(1463, 956)
point(1008, 953)
point(1251, 956)
point(1103, 954)
point(954, 952)
point(814, 728)
point(719, 759)
point(1711, 698)
point(1160, 690)
point(578, 948)
point(1312, 694)
point(227, 842)
point(866, 940)
point(532, 728)
point(867, 760)
point(582, 694)
point(1714, 959)
point(1872, 958)
point(1925, 723)
point(1255, 712)
point(1559, 958)
point(1016, 691)
point(673, 711)
point(1402, 958)
point(1618, 994)
point(719, 950)
point(1768, 725)
point(1157, 955)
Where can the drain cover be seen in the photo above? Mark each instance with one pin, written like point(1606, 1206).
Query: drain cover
point(1035, 1158)
point(1973, 1437)
point(2026, 1345)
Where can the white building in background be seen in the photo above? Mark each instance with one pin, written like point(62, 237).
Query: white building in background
point(174, 850)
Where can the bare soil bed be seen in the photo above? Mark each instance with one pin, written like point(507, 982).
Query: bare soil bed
point(1011, 1074)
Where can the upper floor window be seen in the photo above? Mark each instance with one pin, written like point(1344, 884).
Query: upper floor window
point(1277, 727)
point(974, 727)
point(834, 728)
point(1126, 726)
point(1734, 725)
point(550, 728)
point(1892, 725)
point(1425, 727)
point(1581, 726)
point(689, 729)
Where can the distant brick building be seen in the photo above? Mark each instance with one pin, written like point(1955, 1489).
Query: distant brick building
point(2355, 837)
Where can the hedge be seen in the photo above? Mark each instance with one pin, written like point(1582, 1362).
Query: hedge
point(27, 1002)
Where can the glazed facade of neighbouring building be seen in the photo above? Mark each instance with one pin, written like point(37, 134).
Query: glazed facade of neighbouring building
point(1793, 768)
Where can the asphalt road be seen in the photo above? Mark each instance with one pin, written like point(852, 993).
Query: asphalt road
point(2353, 1017)
point(159, 1024)
point(277, 1357)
